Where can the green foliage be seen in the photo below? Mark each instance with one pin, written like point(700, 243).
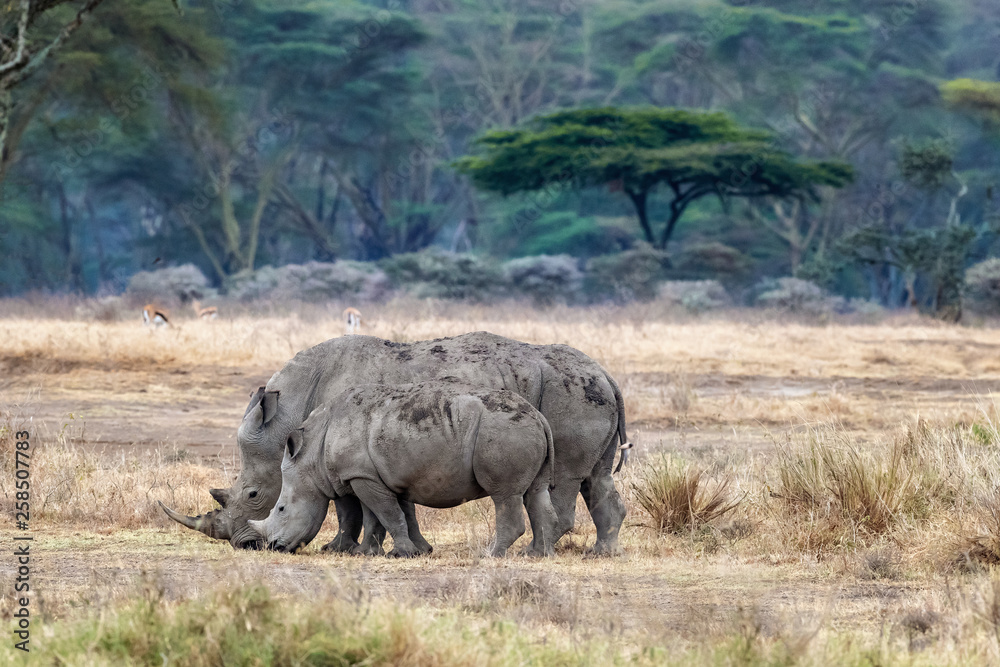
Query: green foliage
point(982, 286)
point(980, 99)
point(561, 232)
point(695, 153)
point(278, 133)
point(940, 254)
point(927, 165)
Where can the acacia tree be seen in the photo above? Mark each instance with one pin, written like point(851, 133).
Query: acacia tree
point(25, 45)
point(692, 153)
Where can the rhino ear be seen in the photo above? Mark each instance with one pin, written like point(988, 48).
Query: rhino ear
point(221, 495)
point(254, 400)
point(269, 402)
point(294, 443)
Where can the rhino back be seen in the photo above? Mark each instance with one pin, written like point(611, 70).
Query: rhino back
point(419, 440)
point(567, 386)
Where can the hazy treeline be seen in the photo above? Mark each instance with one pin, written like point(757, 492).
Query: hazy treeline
point(238, 134)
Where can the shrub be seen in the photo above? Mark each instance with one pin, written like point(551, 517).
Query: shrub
point(179, 283)
point(695, 295)
point(436, 273)
point(982, 286)
point(677, 497)
point(545, 278)
point(704, 260)
point(631, 275)
point(312, 281)
point(105, 309)
point(795, 295)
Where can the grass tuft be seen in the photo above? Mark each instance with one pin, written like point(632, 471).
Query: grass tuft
point(679, 497)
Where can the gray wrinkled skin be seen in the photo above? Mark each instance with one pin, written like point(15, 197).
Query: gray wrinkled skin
point(436, 443)
point(580, 401)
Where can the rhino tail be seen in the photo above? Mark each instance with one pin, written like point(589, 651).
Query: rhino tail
point(550, 452)
point(624, 445)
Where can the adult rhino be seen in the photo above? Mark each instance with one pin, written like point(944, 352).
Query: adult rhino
point(581, 402)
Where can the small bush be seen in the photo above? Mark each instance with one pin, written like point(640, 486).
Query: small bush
point(713, 259)
point(695, 295)
point(794, 295)
point(311, 282)
point(438, 274)
point(627, 276)
point(678, 497)
point(105, 309)
point(171, 285)
point(545, 278)
point(982, 286)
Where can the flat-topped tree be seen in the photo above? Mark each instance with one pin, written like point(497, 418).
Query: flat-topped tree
point(692, 153)
point(980, 99)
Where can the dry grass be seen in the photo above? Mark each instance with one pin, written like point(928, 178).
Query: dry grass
point(866, 466)
point(74, 486)
point(679, 497)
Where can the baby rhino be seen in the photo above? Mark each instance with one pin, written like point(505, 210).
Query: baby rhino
point(438, 444)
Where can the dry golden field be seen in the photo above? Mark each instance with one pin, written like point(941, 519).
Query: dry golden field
point(854, 468)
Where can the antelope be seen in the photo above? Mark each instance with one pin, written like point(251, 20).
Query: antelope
point(155, 317)
point(208, 313)
point(353, 320)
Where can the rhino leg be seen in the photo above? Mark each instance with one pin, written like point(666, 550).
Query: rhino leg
point(510, 523)
point(563, 497)
point(375, 531)
point(413, 528)
point(350, 518)
point(374, 534)
point(384, 504)
point(606, 507)
point(542, 516)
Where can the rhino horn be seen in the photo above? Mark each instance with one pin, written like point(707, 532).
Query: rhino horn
point(203, 523)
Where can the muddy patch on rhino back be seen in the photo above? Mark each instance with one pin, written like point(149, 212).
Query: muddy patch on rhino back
point(507, 402)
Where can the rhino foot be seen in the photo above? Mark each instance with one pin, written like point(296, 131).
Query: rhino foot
point(342, 544)
point(370, 550)
point(532, 552)
point(403, 553)
point(605, 548)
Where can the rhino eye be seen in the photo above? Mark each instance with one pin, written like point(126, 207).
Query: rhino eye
point(253, 494)
point(281, 509)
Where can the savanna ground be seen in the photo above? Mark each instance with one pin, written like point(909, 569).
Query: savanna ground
point(801, 492)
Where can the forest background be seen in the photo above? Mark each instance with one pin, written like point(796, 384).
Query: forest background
point(237, 135)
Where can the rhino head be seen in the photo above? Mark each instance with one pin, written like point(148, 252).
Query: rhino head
point(261, 438)
point(298, 514)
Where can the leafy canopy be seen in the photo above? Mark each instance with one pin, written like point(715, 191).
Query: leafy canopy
point(977, 98)
point(695, 153)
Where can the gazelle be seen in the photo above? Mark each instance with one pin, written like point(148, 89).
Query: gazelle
point(208, 313)
point(352, 316)
point(155, 317)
